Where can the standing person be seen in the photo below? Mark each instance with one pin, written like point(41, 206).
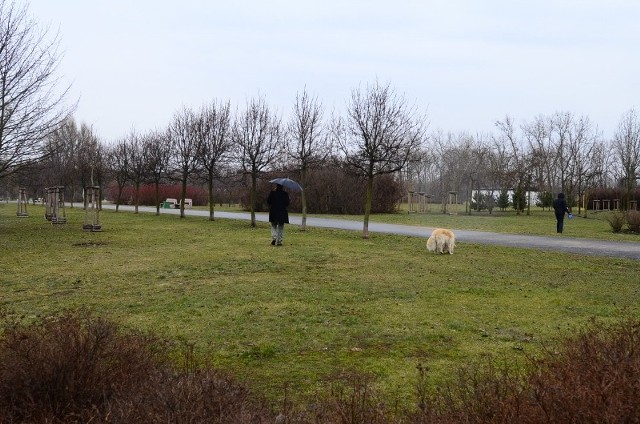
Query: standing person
point(278, 201)
point(560, 208)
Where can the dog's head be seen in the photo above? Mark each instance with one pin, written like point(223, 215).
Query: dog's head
point(431, 244)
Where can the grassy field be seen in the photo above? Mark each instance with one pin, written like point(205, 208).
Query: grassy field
point(326, 302)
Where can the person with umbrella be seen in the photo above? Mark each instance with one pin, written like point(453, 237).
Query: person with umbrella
point(278, 202)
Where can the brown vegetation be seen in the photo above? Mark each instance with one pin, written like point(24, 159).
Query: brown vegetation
point(75, 367)
point(333, 190)
point(618, 219)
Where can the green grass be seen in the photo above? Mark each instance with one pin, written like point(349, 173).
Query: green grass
point(326, 302)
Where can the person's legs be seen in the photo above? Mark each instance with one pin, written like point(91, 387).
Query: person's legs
point(274, 232)
point(559, 223)
point(279, 234)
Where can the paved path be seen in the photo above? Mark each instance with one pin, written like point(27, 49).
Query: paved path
point(582, 246)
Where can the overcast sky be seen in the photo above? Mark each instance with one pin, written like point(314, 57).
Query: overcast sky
point(133, 63)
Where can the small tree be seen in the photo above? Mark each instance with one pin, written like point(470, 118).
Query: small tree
point(626, 145)
point(118, 164)
point(156, 149)
point(503, 199)
point(308, 142)
point(185, 146)
point(214, 133)
point(380, 135)
point(137, 168)
point(257, 140)
point(491, 202)
point(519, 199)
point(545, 200)
point(479, 201)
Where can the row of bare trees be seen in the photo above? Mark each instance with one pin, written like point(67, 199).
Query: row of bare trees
point(561, 152)
point(380, 133)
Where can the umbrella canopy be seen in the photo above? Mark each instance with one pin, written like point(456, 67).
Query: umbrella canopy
point(288, 183)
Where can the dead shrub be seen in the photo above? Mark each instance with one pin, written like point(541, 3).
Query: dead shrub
point(593, 378)
point(75, 367)
point(633, 221)
point(348, 398)
point(616, 220)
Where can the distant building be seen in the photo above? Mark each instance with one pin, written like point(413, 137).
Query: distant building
point(496, 193)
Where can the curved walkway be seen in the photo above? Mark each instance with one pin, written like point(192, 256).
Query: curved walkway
point(582, 246)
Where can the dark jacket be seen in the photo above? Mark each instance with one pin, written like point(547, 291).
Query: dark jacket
point(278, 201)
point(560, 205)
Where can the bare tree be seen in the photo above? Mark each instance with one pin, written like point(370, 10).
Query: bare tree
point(583, 139)
point(538, 136)
point(626, 144)
point(307, 140)
point(214, 133)
point(379, 136)
point(257, 139)
point(31, 103)
point(453, 160)
point(420, 172)
point(185, 148)
point(136, 166)
point(89, 162)
point(560, 139)
point(117, 159)
point(520, 161)
point(156, 150)
point(63, 145)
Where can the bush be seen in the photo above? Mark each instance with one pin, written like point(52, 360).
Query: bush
point(616, 220)
point(633, 221)
point(593, 378)
point(78, 368)
point(503, 199)
point(519, 199)
point(545, 200)
point(335, 191)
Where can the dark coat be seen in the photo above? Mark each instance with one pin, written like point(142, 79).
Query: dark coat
point(560, 205)
point(278, 201)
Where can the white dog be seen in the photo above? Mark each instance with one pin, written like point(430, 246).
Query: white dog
point(441, 240)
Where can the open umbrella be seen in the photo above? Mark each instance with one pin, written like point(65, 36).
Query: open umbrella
point(288, 183)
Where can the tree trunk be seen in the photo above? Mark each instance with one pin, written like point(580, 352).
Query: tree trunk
point(367, 207)
point(119, 197)
point(137, 195)
point(183, 196)
point(157, 198)
point(211, 200)
point(303, 198)
point(252, 200)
